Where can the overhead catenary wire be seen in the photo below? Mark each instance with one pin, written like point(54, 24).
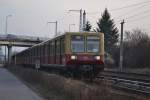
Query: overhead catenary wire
point(120, 8)
point(132, 6)
point(136, 20)
point(138, 14)
point(140, 18)
point(131, 11)
point(139, 5)
point(134, 16)
point(128, 6)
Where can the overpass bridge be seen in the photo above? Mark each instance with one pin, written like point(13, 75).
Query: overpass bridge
point(10, 40)
point(20, 40)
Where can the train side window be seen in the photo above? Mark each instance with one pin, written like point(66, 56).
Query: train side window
point(48, 48)
point(36, 51)
point(33, 52)
point(53, 48)
point(30, 52)
point(62, 46)
point(43, 49)
point(57, 47)
point(39, 51)
point(29, 56)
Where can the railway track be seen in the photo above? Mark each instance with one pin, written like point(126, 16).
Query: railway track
point(139, 83)
point(132, 82)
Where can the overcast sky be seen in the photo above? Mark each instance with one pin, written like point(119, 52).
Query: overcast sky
point(30, 17)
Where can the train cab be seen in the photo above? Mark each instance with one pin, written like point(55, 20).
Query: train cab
point(86, 48)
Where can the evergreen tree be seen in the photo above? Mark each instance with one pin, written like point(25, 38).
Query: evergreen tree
point(88, 26)
point(106, 25)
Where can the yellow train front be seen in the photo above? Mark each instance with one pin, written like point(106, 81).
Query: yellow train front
point(77, 53)
point(84, 53)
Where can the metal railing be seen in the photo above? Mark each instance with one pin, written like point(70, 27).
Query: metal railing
point(21, 37)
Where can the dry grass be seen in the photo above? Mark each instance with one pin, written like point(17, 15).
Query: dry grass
point(55, 87)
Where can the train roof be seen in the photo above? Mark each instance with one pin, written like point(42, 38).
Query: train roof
point(61, 36)
point(83, 32)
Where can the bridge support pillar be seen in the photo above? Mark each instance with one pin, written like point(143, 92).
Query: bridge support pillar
point(9, 53)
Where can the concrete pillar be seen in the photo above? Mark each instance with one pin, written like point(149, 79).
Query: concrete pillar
point(9, 53)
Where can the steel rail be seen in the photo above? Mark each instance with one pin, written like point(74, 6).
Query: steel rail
point(123, 82)
point(127, 75)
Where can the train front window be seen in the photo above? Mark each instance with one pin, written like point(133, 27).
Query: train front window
point(77, 43)
point(93, 44)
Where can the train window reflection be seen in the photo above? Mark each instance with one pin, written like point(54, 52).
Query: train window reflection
point(77, 43)
point(93, 44)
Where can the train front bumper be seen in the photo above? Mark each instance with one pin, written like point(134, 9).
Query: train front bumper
point(84, 60)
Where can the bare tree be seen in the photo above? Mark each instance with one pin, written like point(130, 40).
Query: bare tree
point(136, 49)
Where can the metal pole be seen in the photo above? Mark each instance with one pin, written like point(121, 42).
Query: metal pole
point(80, 26)
point(56, 29)
point(9, 54)
point(6, 32)
point(84, 20)
point(56, 23)
point(121, 47)
point(80, 19)
point(70, 26)
point(6, 25)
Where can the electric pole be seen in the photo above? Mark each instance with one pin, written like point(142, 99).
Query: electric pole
point(121, 47)
point(84, 20)
point(70, 26)
point(80, 21)
point(6, 31)
point(55, 22)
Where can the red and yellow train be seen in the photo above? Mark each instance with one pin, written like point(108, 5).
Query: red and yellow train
point(74, 52)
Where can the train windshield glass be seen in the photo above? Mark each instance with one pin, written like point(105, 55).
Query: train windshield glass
point(77, 43)
point(93, 44)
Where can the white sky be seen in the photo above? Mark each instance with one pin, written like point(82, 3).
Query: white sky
point(30, 16)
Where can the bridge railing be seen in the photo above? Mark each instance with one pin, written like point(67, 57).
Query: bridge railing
point(21, 38)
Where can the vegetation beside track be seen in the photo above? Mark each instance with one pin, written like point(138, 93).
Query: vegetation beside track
point(55, 87)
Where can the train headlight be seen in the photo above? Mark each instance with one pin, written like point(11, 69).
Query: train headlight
point(73, 57)
point(97, 57)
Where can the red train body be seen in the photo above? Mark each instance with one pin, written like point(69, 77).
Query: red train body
point(69, 51)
